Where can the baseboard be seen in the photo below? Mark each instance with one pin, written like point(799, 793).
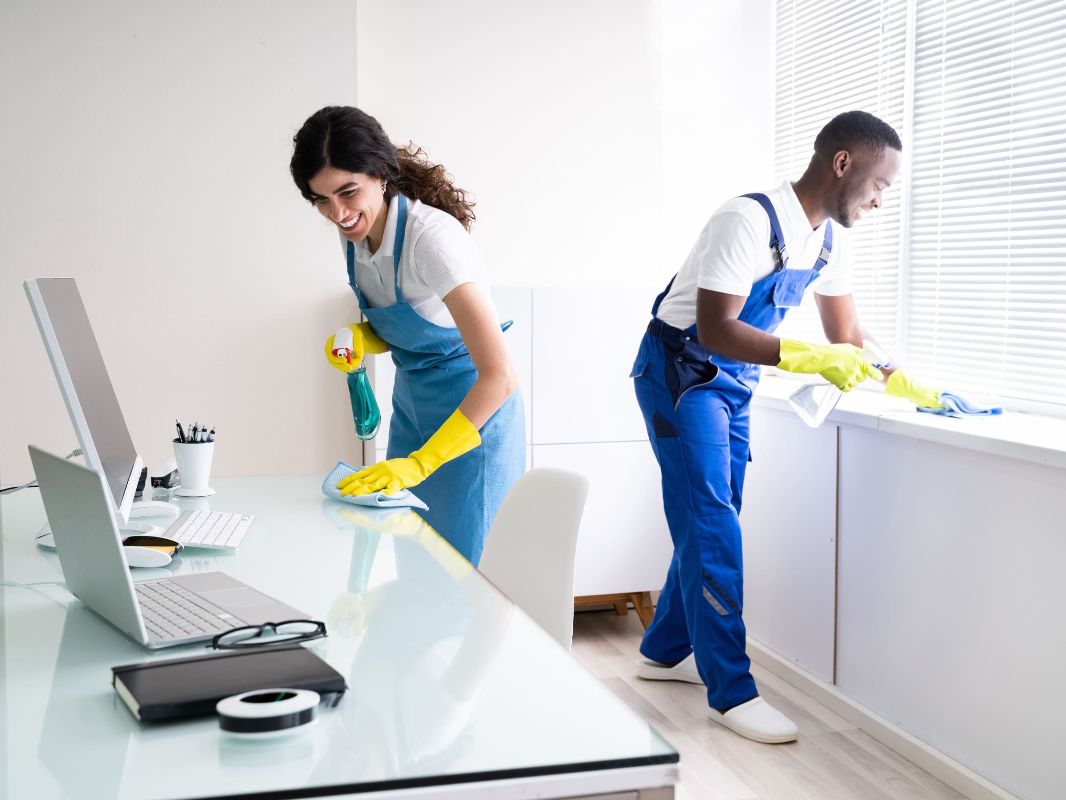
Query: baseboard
point(942, 767)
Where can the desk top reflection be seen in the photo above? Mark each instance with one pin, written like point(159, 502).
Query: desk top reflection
point(449, 683)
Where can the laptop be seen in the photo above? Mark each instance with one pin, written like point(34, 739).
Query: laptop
point(157, 613)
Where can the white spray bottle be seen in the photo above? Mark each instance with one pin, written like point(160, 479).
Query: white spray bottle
point(814, 401)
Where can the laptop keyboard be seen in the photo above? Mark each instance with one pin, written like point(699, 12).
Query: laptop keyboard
point(173, 612)
point(216, 530)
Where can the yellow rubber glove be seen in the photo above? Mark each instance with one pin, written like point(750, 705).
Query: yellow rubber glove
point(900, 385)
point(843, 365)
point(364, 341)
point(456, 436)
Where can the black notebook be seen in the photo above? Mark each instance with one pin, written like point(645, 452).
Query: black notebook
point(188, 687)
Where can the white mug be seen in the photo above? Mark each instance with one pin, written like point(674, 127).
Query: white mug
point(194, 466)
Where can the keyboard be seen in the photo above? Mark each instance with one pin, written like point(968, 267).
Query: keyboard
point(173, 612)
point(213, 530)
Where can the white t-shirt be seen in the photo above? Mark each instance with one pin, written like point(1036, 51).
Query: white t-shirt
point(438, 255)
point(733, 252)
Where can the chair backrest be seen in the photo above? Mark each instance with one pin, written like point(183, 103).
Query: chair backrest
point(529, 552)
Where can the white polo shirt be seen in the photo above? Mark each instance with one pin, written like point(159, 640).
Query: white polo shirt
point(438, 255)
point(733, 252)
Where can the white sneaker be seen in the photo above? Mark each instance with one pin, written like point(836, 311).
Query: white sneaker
point(759, 721)
point(684, 670)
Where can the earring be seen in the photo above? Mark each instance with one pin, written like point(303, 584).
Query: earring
point(383, 185)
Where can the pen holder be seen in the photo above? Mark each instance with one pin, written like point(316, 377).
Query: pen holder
point(194, 466)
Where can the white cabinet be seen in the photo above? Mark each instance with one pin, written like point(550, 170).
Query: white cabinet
point(922, 581)
point(951, 590)
point(789, 531)
point(624, 544)
point(515, 303)
point(584, 343)
point(573, 349)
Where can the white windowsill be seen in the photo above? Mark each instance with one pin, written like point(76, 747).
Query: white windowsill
point(1027, 437)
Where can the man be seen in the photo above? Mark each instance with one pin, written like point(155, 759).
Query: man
point(694, 374)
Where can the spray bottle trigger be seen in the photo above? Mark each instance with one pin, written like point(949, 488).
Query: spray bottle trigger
point(875, 355)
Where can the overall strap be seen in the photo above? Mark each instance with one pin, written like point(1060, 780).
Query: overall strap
point(397, 245)
point(662, 294)
point(827, 247)
point(397, 251)
point(349, 257)
point(777, 240)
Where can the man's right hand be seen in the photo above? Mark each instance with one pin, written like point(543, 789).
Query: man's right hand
point(364, 341)
point(843, 365)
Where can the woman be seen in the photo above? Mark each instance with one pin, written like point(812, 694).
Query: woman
point(457, 430)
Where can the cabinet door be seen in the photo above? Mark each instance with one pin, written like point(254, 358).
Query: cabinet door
point(515, 303)
point(951, 598)
point(624, 545)
point(584, 344)
point(789, 527)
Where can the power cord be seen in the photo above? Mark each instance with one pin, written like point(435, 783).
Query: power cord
point(10, 489)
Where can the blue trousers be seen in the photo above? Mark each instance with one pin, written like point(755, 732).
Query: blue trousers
point(698, 422)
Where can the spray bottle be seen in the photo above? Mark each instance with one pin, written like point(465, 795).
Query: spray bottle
point(814, 401)
point(365, 409)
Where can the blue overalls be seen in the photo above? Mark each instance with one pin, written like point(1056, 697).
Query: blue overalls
point(434, 372)
point(696, 408)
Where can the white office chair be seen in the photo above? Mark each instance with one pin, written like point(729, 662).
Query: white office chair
point(529, 552)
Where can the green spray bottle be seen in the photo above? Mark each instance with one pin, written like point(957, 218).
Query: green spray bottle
point(365, 409)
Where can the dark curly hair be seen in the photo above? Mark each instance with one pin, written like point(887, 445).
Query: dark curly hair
point(349, 139)
point(856, 129)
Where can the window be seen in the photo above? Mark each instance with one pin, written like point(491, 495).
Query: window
point(980, 247)
point(834, 57)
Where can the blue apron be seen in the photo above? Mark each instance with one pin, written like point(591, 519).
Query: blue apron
point(434, 372)
point(696, 407)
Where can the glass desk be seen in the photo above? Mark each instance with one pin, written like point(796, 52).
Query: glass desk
point(453, 691)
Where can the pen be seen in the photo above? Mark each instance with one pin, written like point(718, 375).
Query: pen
point(211, 435)
point(181, 433)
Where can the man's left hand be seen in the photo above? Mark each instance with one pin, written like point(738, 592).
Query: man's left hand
point(900, 385)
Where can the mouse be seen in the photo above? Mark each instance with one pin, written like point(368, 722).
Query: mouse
point(145, 557)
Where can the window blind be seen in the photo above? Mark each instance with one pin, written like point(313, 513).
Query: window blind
point(987, 273)
point(834, 56)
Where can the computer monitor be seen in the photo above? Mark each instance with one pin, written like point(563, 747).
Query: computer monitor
point(86, 388)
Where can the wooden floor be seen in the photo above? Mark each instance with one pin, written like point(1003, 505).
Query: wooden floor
point(832, 759)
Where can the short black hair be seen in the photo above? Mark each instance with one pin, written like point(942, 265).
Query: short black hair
point(854, 129)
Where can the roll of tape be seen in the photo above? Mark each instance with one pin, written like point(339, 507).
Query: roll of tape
point(264, 712)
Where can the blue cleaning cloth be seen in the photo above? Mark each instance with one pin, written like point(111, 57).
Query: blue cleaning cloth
point(958, 406)
point(402, 498)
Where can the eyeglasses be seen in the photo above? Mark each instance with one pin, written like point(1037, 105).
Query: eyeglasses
point(293, 630)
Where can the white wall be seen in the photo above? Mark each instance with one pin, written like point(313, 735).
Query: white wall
point(717, 112)
point(549, 112)
point(146, 149)
point(149, 151)
point(597, 136)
